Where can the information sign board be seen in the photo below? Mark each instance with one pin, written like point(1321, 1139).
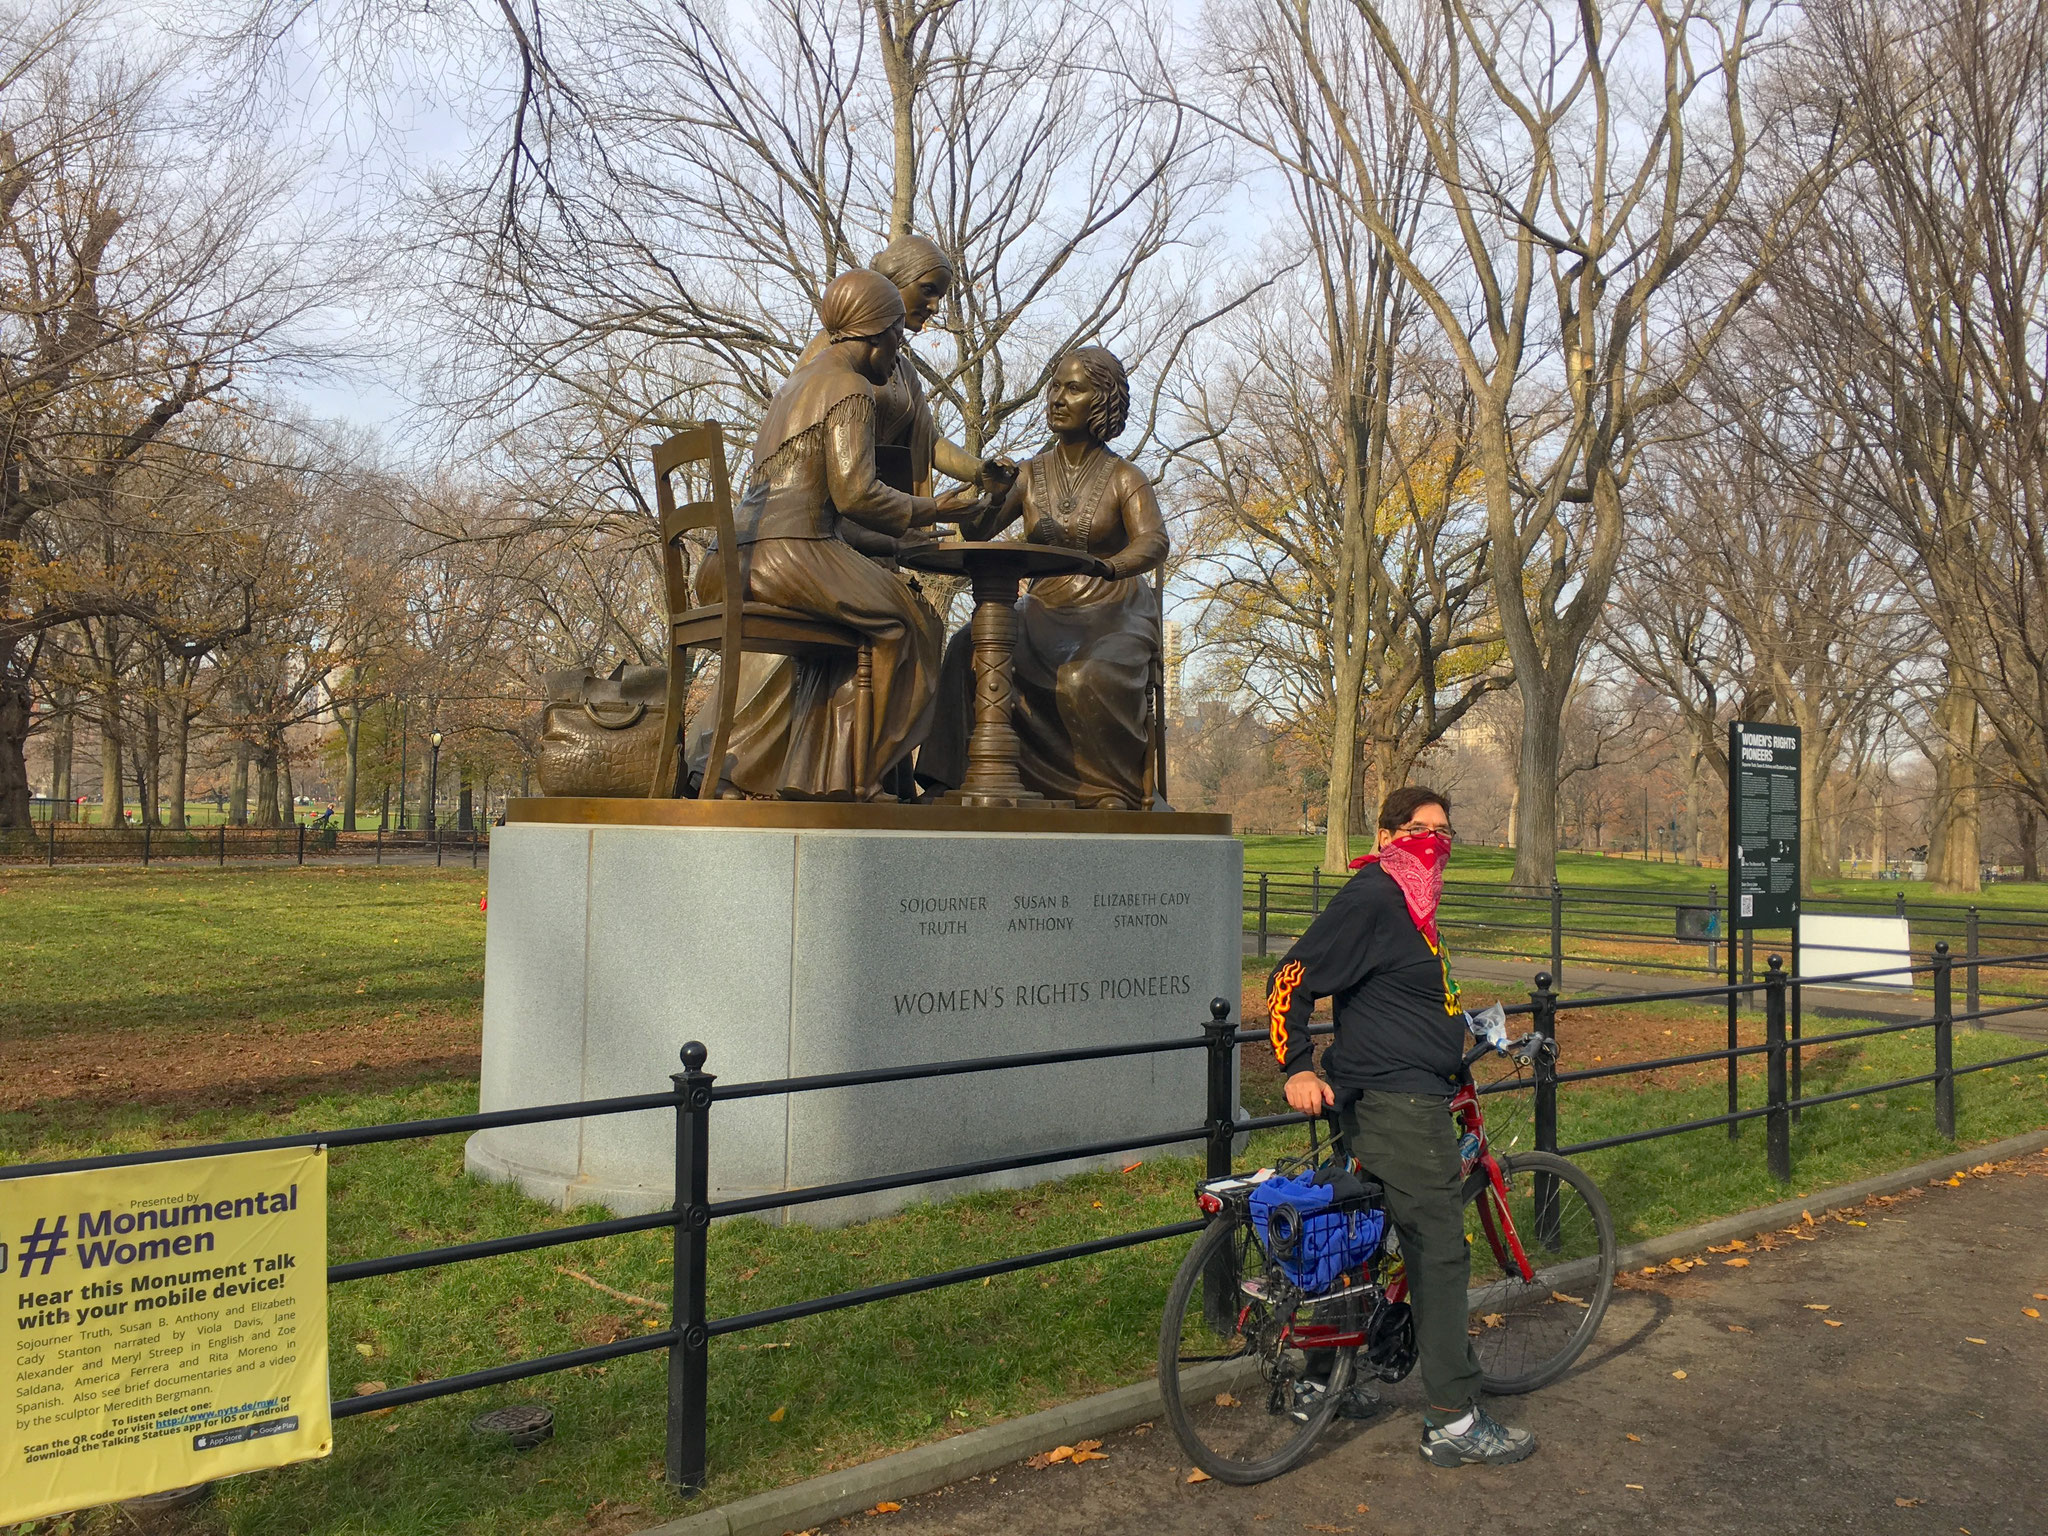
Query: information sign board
point(168, 1326)
point(1763, 825)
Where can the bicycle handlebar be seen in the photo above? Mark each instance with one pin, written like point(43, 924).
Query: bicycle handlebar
point(1524, 1049)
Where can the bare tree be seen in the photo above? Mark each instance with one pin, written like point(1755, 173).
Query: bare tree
point(144, 269)
point(1915, 310)
point(1602, 159)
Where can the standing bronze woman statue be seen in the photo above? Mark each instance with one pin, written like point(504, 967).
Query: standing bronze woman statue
point(813, 478)
point(1086, 645)
point(908, 446)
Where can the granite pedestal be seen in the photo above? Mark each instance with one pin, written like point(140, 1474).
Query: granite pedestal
point(792, 950)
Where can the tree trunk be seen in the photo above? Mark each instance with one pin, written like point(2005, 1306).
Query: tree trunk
point(2030, 859)
point(149, 762)
point(1953, 830)
point(465, 808)
point(62, 744)
point(238, 794)
point(896, 68)
point(16, 708)
point(181, 759)
point(266, 784)
point(348, 794)
point(384, 811)
point(1536, 782)
point(1349, 680)
point(288, 795)
point(1692, 811)
point(113, 806)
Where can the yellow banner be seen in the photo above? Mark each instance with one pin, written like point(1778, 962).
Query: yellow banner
point(166, 1324)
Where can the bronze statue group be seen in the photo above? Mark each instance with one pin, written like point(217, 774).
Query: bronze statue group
point(840, 484)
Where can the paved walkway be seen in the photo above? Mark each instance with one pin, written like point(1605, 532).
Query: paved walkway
point(1714, 1401)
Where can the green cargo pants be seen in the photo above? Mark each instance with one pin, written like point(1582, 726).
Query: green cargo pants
point(1410, 1144)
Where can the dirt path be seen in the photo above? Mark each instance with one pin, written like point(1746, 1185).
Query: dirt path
point(236, 1064)
point(1720, 1399)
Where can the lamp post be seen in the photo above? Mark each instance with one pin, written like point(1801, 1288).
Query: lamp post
point(434, 787)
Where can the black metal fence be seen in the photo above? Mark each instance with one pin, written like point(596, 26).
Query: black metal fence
point(1661, 931)
point(696, 1094)
point(52, 843)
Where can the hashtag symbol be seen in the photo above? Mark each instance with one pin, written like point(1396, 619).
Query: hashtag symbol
point(47, 1246)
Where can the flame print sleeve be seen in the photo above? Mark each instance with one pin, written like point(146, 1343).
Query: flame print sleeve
point(1288, 1011)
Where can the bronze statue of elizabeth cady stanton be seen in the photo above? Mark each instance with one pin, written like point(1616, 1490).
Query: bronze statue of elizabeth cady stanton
point(1085, 645)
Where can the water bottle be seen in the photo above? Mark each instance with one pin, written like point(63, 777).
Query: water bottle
point(1468, 1150)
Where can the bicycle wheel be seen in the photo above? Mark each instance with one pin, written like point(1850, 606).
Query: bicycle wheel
point(1240, 1396)
point(1527, 1333)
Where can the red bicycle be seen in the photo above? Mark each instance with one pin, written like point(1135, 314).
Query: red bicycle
point(1252, 1368)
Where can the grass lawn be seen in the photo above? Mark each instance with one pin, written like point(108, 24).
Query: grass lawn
point(107, 958)
point(1479, 863)
point(116, 949)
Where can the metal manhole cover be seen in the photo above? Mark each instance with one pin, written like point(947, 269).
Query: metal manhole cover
point(169, 1498)
point(523, 1425)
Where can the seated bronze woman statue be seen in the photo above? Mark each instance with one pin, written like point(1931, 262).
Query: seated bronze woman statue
point(1086, 645)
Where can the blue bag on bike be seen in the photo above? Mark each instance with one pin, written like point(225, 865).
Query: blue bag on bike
point(1321, 1241)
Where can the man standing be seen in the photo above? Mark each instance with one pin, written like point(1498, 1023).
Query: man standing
point(1394, 1064)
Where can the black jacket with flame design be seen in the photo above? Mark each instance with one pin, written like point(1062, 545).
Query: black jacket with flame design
point(1399, 1026)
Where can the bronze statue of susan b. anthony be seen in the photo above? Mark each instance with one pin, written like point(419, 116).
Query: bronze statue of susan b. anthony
point(813, 474)
point(1085, 645)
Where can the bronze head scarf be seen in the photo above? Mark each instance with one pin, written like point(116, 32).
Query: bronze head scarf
point(910, 257)
point(860, 304)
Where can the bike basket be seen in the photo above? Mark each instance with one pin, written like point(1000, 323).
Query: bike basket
point(1321, 1240)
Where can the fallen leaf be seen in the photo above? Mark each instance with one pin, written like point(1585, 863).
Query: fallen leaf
point(1040, 1462)
point(1634, 1439)
point(1738, 1246)
point(366, 1350)
point(1058, 1453)
point(1637, 1486)
point(1560, 1296)
point(1225, 1400)
point(1832, 1322)
point(779, 1414)
point(1737, 1328)
point(1493, 1319)
point(1363, 1509)
point(1097, 1205)
point(1086, 1445)
point(1907, 1503)
point(1817, 1306)
point(1807, 1217)
point(1198, 1476)
point(2041, 1295)
point(2030, 1311)
point(365, 1388)
point(1081, 1456)
point(1134, 1167)
point(1678, 1375)
point(1736, 1263)
point(1649, 1269)
point(1859, 1223)
point(886, 1507)
point(1968, 1340)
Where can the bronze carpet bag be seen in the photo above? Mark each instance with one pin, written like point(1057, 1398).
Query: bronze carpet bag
point(601, 736)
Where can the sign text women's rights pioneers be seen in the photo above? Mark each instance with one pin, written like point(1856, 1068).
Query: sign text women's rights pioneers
point(166, 1324)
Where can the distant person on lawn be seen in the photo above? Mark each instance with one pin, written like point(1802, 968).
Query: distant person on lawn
point(1393, 1066)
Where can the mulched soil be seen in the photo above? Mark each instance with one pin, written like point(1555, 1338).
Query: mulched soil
point(238, 1063)
point(1586, 1038)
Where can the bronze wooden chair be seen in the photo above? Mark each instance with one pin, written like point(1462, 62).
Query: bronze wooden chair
point(734, 626)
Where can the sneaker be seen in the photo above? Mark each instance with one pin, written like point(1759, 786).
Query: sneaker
point(1359, 1402)
point(1305, 1400)
point(1486, 1440)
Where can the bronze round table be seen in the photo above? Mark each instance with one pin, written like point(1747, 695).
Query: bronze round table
point(997, 570)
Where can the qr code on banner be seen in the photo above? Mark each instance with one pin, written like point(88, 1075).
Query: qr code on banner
point(1749, 906)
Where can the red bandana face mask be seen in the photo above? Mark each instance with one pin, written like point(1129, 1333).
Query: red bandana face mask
point(1416, 864)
